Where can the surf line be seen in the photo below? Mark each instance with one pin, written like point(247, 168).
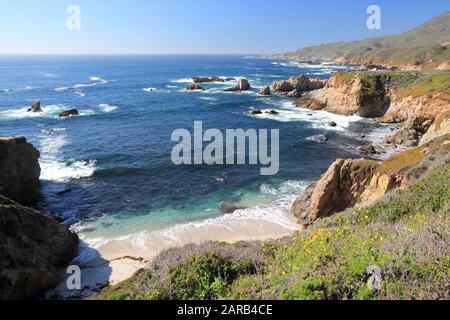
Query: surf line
point(250, 147)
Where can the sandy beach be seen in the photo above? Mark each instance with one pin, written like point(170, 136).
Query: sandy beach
point(118, 259)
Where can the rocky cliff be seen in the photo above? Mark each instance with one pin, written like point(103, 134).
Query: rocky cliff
point(19, 170)
point(300, 83)
point(32, 247)
point(417, 100)
point(361, 183)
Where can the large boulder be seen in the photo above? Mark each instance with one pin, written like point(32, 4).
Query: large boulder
point(19, 170)
point(243, 85)
point(300, 83)
point(32, 247)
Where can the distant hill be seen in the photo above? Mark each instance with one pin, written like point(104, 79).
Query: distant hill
point(427, 46)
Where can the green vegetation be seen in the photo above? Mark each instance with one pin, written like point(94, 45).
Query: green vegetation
point(426, 46)
point(405, 235)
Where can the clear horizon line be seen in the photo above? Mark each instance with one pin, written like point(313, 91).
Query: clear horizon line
point(130, 53)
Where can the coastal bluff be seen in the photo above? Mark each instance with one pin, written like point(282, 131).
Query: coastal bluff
point(33, 246)
point(417, 101)
point(19, 170)
point(361, 183)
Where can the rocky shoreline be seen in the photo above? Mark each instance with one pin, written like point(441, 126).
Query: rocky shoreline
point(33, 245)
point(32, 255)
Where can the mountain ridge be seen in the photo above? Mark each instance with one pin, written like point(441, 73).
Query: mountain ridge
point(426, 47)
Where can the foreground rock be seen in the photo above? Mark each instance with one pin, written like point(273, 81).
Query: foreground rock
point(69, 113)
point(32, 247)
point(299, 83)
point(194, 87)
point(35, 107)
point(360, 183)
point(243, 85)
point(19, 170)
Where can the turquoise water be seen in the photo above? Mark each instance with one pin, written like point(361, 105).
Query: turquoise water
point(115, 157)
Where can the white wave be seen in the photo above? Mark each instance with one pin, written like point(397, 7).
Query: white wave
point(107, 107)
point(317, 119)
point(183, 80)
point(97, 81)
point(61, 89)
point(48, 111)
point(149, 89)
point(208, 98)
point(53, 169)
point(287, 187)
point(80, 94)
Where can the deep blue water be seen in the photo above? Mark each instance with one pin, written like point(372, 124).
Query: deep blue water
point(116, 155)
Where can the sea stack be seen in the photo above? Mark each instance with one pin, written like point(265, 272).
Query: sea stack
point(243, 85)
point(35, 107)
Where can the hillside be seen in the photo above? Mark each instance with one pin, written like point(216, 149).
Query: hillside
point(427, 46)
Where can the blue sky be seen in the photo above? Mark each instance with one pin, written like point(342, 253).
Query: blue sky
point(198, 26)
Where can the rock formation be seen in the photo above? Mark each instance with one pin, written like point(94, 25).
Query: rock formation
point(195, 86)
point(299, 83)
point(35, 107)
point(337, 190)
point(388, 96)
point(360, 183)
point(211, 79)
point(19, 170)
point(32, 247)
point(350, 97)
point(265, 91)
point(243, 85)
point(69, 113)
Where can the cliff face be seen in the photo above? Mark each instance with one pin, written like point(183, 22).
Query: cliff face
point(361, 183)
point(19, 170)
point(414, 99)
point(32, 247)
point(337, 190)
point(299, 83)
point(349, 97)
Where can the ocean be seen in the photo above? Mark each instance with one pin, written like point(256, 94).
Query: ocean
point(116, 156)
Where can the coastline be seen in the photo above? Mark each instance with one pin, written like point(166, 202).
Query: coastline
point(118, 260)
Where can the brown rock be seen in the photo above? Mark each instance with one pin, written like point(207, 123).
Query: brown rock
point(211, 79)
point(368, 150)
point(265, 91)
point(337, 190)
point(32, 247)
point(19, 170)
point(300, 83)
point(243, 85)
point(195, 86)
point(69, 113)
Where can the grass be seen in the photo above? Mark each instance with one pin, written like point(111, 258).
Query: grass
point(405, 235)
